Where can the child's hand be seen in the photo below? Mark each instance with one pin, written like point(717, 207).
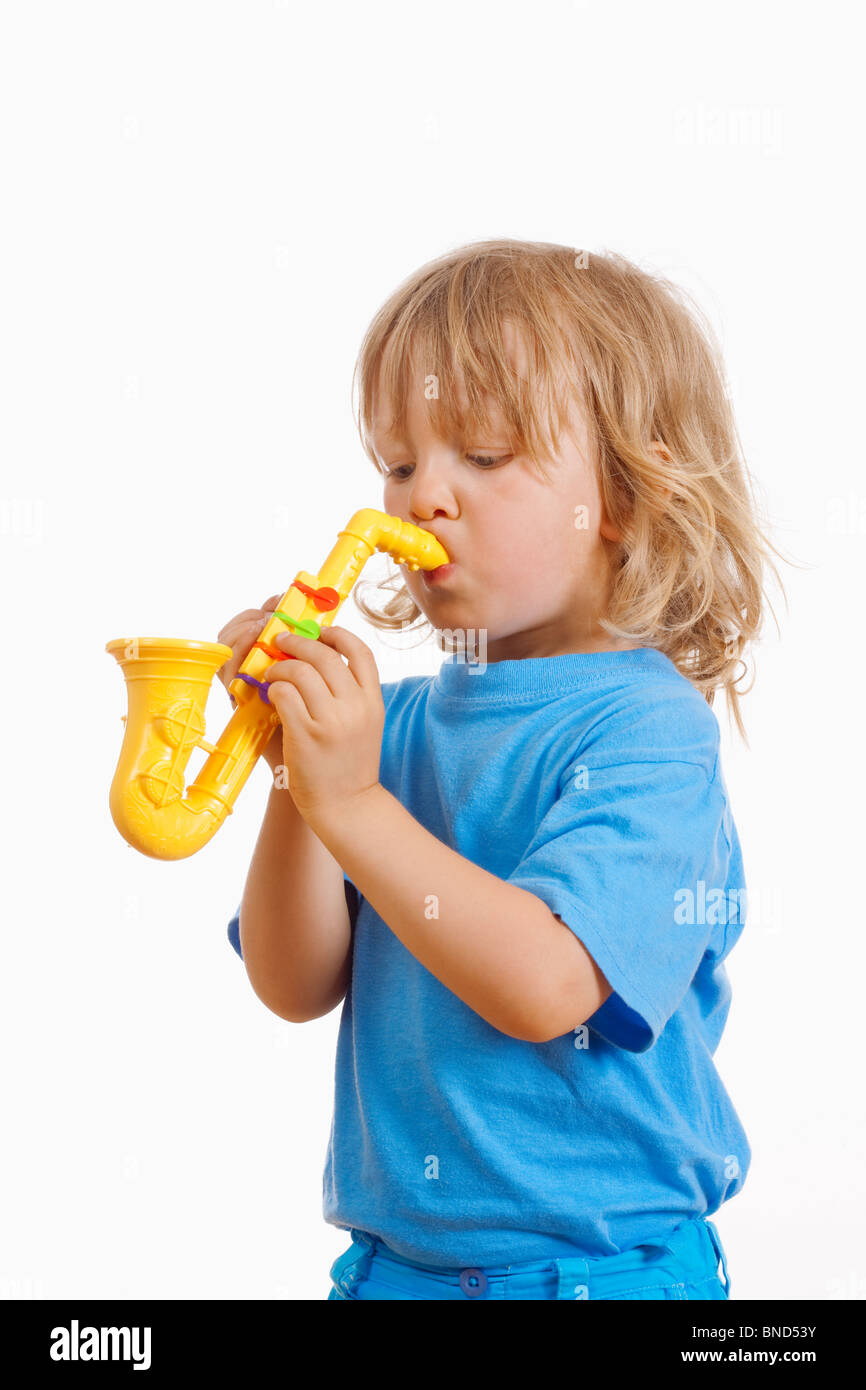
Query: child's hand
point(332, 717)
point(239, 633)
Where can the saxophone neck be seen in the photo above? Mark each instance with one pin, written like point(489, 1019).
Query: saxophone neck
point(404, 542)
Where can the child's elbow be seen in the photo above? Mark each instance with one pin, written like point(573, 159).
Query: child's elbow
point(578, 992)
point(544, 1025)
point(550, 1026)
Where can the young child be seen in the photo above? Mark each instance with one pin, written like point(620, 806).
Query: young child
point(522, 875)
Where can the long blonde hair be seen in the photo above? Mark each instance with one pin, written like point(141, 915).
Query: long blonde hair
point(645, 365)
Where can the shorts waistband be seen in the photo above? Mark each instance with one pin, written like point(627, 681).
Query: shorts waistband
point(692, 1249)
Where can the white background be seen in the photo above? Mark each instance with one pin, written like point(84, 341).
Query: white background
point(204, 205)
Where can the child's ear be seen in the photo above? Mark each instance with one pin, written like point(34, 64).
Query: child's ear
point(606, 526)
point(663, 453)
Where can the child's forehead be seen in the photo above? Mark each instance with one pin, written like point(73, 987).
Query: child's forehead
point(386, 425)
point(386, 432)
point(556, 399)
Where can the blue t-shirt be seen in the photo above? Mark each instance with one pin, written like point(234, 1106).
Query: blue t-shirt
point(593, 781)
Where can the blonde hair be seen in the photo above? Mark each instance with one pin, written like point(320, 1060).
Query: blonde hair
point(644, 364)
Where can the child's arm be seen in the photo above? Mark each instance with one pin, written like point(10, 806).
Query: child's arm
point(295, 933)
point(294, 926)
point(497, 947)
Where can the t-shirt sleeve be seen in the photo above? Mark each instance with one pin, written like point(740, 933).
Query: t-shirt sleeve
point(634, 859)
point(234, 932)
point(352, 901)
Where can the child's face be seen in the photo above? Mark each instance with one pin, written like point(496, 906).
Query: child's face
point(531, 559)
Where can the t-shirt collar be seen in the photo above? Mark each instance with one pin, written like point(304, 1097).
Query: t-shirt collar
point(459, 678)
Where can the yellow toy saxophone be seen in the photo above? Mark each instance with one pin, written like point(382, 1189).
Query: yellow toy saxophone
point(168, 680)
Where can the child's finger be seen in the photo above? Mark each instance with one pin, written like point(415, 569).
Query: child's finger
point(240, 623)
point(362, 662)
point(296, 693)
point(313, 652)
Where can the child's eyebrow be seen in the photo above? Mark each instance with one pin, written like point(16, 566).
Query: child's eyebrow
point(383, 434)
point(384, 440)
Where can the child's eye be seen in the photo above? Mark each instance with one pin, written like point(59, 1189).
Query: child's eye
point(483, 461)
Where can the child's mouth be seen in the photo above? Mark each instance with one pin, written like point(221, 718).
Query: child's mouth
point(439, 574)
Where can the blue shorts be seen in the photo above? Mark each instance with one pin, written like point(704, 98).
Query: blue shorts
point(683, 1266)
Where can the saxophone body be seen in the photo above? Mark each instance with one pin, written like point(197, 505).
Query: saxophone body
point(168, 681)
